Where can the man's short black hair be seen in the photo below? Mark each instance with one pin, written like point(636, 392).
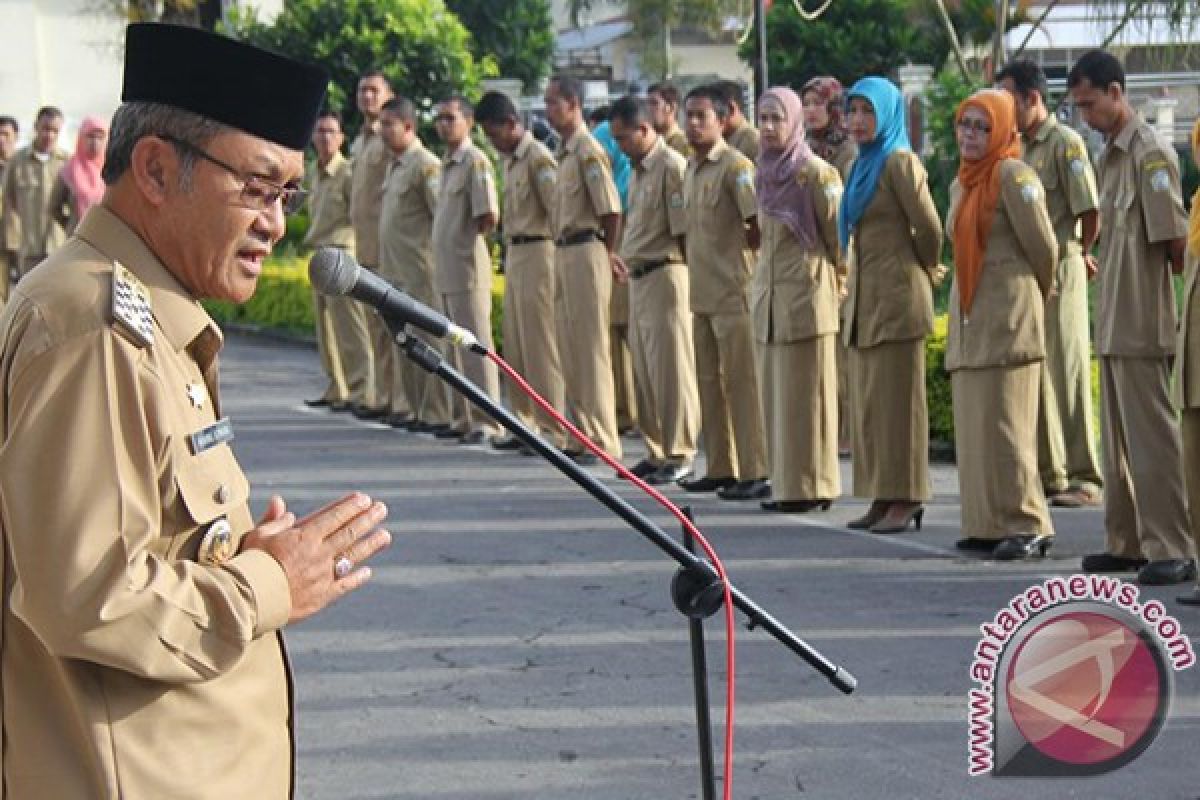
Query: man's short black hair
point(375, 72)
point(1099, 68)
point(495, 108)
point(1026, 77)
point(598, 115)
point(569, 87)
point(464, 105)
point(631, 111)
point(733, 93)
point(715, 96)
point(330, 113)
point(12, 123)
point(666, 91)
point(403, 108)
point(48, 111)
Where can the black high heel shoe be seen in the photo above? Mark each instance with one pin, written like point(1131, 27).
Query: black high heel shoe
point(886, 525)
point(1023, 546)
point(796, 506)
point(874, 514)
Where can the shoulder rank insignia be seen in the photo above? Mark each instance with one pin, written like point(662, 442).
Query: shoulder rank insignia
point(131, 306)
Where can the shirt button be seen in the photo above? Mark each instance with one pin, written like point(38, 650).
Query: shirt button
point(221, 495)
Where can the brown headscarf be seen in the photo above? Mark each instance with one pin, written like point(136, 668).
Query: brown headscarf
point(980, 182)
point(826, 141)
point(1193, 242)
point(779, 194)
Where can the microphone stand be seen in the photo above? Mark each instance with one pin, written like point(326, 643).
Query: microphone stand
point(696, 588)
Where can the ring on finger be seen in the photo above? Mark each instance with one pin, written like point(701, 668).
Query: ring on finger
point(342, 567)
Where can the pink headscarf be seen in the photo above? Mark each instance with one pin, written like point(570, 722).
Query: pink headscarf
point(81, 173)
point(779, 195)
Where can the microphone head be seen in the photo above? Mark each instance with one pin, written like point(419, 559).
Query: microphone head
point(332, 271)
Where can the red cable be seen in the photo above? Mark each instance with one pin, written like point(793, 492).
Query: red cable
point(730, 647)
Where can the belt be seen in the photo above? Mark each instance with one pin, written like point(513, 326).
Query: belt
point(642, 270)
point(527, 239)
point(579, 237)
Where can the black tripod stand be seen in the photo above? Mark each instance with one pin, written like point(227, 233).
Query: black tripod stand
point(696, 589)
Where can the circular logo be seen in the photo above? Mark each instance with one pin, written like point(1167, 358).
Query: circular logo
point(1088, 689)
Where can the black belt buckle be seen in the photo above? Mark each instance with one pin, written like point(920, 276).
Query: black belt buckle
point(517, 240)
point(579, 237)
point(643, 270)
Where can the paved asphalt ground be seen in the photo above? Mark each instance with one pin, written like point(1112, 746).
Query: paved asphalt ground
point(519, 642)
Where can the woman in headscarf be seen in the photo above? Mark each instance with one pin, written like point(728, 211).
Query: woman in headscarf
point(79, 185)
point(1187, 362)
point(794, 308)
point(1004, 258)
point(823, 123)
point(893, 235)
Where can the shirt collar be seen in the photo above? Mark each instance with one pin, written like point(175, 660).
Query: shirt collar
point(523, 146)
point(460, 152)
point(179, 315)
point(572, 144)
point(717, 149)
point(654, 156)
point(1125, 137)
point(1043, 131)
point(335, 163)
point(414, 149)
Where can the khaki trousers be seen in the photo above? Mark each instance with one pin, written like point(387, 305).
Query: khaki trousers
point(471, 310)
point(664, 365)
point(342, 339)
point(622, 361)
point(582, 295)
point(530, 343)
point(731, 414)
point(427, 396)
point(1145, 515)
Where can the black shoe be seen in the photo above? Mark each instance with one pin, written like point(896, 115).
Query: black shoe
point(370, 414)
point(341, 407)
point(641, 469)
point(1107, 562)
point(473, 438)
point(446, 432)
point(973, 544)
point(1192, 599)
point(1167, 572)
point(399, 420)
point(319, 402)
point(746, 490)
point(706, 484)
point(795, 506)
point(421, 426)
point(507, 443)
point(1023, 546)
point(583, 458)
point(670, 473)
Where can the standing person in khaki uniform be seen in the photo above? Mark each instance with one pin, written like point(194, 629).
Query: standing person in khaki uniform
point(342, 333)
point(586, 225)
point(891, 230)
point(467, 210)
point(79, 186)
point(1004, 258)
point(795, 295)
point(8, 146)
point(1141, 243)
point(530, 343)
point(722, 233)
point(371, 161)
point(660, 319)
point(663, 101)
point(1067, 455)
point(737, 130)
point(31, 227)
point(1187, 376)
point(418, 400)
point(142, 652)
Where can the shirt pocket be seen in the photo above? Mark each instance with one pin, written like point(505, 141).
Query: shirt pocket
point(211, 486)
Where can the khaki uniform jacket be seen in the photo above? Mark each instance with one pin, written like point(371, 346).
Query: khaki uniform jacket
point(132, 667)
point(467, 192)
point(1142, 211)
point(31, 225)
point(530, 175)
point(897, 240)
point(1060, 159)
point(745, 140)
point(329, 205)
point(843, 158)
point(656, 218)
point(371, 161)
point(1005, 326)
point(586, 191)
point(794, 293)
point(677, 140)
point(410, 199)
point(719, 196)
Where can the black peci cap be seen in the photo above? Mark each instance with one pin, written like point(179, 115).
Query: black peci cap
point(243, 86)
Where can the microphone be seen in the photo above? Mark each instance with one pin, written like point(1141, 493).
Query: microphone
point(333, 271)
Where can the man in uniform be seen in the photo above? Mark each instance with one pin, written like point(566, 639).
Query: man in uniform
point(31, 227)
point(663, 101)
point(1141, 244)
point(1067, 456)
point(371, 162)
point(530, 347)
point(722, 232)
point(342, 334)
point(142, 654)
point(8, 146)
point(467, 210)
point(660, 319)
point(738, 132)
point(586, 225)
point(410, 195)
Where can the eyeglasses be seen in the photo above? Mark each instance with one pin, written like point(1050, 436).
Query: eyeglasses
point(258, 193)
point(973, 126)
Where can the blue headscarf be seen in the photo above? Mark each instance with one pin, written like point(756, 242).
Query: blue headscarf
point(891, 133)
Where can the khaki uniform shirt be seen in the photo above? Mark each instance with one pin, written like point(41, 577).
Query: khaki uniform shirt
point(371, 161)
point(530, 175)
point(656, 218)
point(410, 197)
point(843, 158)
point(745, 140)
point(140, 659)
point(794, 293)
point(586, 191)
point(468, 191)
point(1060, 159)
point(31, 226)
point(677, 140)
point(1141, 208)
point(719, 197)
point(329, 205)
point(1005, 326)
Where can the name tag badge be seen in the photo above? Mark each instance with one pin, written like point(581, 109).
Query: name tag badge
point(219, 432)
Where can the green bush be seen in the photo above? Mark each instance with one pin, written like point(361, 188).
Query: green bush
point(937, 389)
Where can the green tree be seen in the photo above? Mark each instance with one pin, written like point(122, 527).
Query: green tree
point(422, 48)
point(517, 34)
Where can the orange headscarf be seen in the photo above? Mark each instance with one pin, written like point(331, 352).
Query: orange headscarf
point(980, 182)
point(1194, 219)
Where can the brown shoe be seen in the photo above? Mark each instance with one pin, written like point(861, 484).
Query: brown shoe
point(1076, 498)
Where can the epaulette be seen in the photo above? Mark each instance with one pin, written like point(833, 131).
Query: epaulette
point(131, 306)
